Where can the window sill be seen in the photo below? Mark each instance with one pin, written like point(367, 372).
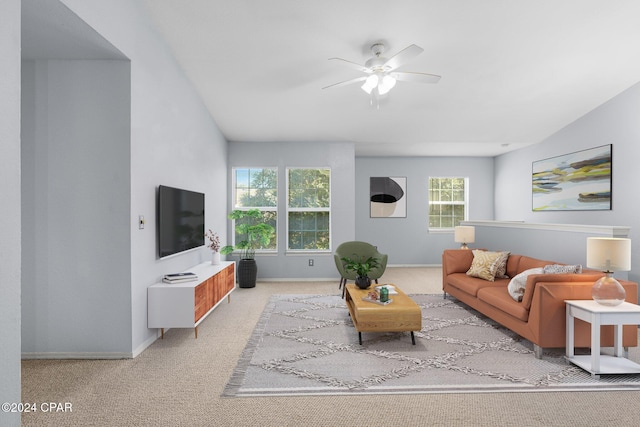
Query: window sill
point(307, 252)
point(440, 231)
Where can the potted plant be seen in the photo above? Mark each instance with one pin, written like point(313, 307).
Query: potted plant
point(255, 235)
point(214, 245)
point(362, 269)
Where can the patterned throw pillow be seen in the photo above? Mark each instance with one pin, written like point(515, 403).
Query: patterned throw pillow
point(559, 268)
point(518, 283)
point(501, 273)
point(484, 265)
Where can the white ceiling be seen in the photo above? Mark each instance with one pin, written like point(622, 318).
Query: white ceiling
point(513, 71)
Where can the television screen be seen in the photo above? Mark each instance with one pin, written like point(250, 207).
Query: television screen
point(180, 220)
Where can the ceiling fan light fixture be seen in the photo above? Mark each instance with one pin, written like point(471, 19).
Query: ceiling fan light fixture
point(380, 75)
point(370, 83)
point(387, 83)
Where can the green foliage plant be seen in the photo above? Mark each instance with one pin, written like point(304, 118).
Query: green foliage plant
point(255, 233)
point(360, 266)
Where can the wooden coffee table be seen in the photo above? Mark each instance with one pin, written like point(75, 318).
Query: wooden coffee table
point(402, 315)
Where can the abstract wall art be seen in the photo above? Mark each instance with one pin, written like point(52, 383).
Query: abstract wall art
point(388, 197)
point(575, 181)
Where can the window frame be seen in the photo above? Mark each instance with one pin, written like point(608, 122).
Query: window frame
point(289, 209)
point(273, 209)
point(465, 203)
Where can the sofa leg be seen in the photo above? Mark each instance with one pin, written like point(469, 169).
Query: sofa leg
point(537, 351)
point(444, 295)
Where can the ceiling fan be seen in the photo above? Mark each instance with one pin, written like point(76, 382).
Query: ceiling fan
point(380, 72)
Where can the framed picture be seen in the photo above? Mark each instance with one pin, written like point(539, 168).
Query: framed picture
point(388, 197)
point(576, 181)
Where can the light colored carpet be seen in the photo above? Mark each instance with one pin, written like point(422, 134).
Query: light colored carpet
point(178, 381)
point(306, 344)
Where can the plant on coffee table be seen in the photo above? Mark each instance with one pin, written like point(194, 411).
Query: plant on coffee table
point(362, 268)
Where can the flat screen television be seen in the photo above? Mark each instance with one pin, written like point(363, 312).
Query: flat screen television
point(180, 220)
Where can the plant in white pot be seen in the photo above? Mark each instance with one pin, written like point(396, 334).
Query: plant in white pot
point(214, 245)
point(255, 234)
point(362, 268)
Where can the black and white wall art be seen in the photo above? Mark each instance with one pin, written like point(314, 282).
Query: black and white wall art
point(388, 197)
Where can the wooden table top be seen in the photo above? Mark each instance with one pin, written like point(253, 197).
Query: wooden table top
point(403, 314)
point(399, 299)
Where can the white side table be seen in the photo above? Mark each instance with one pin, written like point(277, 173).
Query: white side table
point(597, 314)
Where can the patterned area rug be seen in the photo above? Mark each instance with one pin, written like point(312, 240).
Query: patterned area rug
point(306, 344)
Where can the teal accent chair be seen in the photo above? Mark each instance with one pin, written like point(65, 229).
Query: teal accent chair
point(362, 250)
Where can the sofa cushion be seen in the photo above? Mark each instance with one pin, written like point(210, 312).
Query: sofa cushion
point(518, 284)
point(526, 263)
point(484, 265)
point(456, 261)
point(498, 297)
point(471, 285)
point(512, 264)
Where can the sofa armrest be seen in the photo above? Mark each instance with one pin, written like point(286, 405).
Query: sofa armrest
point(534, 279)
point(455, 261)
point(547, 314)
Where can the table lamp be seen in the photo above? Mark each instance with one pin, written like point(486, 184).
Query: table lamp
point(464, 234)
point(608, 254)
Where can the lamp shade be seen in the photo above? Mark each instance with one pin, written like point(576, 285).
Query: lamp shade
point(370, 83)
point(387, 83)
point(609, 253)
point(464, 234)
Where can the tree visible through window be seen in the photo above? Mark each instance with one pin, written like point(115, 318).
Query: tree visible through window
point(447, 202)
point(308, 209)
point(257, 188)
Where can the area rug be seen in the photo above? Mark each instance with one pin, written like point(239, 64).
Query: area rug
point(307, 345)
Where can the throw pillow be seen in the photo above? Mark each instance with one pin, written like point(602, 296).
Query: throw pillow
point(484, 265)
point(559, 268)
point(518, 283)
point(501, 273)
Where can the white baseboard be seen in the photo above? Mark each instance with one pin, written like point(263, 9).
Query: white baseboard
point(298, 279)
point(337, 278)
point(90, 355)
point(73, 355)
point(415, 265)
point(142, 347)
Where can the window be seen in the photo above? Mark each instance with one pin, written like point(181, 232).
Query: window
point(308, 209)
point(447, 202)
point(257, 188)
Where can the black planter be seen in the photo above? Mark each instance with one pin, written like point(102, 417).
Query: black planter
point(363, 282)
point(247, 273)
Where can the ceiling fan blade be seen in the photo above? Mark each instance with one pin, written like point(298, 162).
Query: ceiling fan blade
point(347, 82)
point(415, 77)
point(353, 65)
point(403, 56)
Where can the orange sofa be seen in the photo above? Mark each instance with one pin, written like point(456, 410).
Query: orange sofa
point(540, 316)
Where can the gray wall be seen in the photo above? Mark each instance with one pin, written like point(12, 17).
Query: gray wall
point(340, 158)
point(407, 240)
point(171, 140)
point(75, 211)
point(174, 141)
point(615, 122)
point(10, 245)
point(543, 241)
